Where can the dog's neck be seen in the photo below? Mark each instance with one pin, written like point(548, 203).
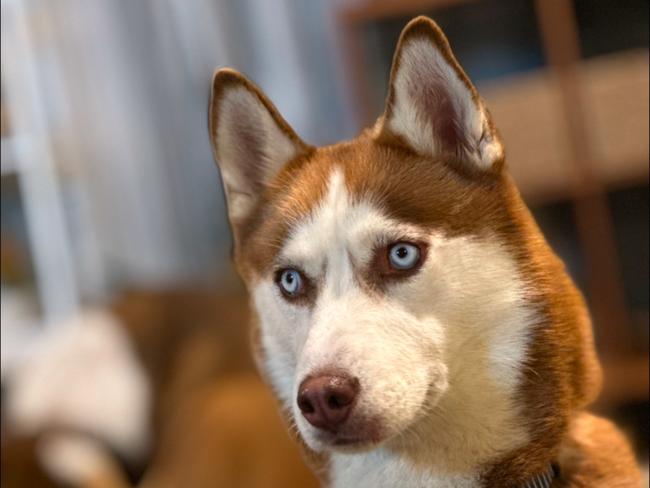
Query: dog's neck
point(438, 451)
point(383, 469)
point(386, 467)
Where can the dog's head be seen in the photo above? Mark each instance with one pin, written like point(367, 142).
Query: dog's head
point(401, 288)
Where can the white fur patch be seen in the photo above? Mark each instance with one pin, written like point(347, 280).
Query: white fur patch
point(438, 356)
point(73, 459)
point(248, 142)
point(423, 73)
point(84, 375)
point(381, 469)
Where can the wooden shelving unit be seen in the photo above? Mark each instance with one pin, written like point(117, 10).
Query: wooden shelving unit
point(528, 109)
point(569, 106)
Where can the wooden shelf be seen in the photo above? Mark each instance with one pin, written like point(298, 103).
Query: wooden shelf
point(381, 9)
point(625, 381)
point(528, 112)
point(572, 131)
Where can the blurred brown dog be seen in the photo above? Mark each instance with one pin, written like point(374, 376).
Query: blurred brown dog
point(213, 423)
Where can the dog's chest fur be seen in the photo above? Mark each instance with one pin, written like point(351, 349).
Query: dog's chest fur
point(380, 469)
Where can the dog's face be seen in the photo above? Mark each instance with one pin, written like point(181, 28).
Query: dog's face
point(370, 290)
point(390, 275)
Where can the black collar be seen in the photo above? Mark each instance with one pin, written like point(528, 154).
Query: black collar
point(543, 479)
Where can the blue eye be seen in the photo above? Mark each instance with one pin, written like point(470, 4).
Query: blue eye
point(290, 282)
point(403, 256)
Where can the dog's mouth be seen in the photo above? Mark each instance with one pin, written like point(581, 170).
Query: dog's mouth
point(355, 436)
point(348, 443)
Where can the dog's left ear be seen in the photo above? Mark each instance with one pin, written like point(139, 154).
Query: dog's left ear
point(432, 106)
point(251, 142)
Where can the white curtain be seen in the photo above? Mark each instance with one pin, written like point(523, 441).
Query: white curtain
point(126, 86)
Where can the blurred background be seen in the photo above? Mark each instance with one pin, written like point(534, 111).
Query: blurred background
point(114, 236)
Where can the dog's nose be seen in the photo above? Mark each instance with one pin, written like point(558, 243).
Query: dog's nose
point(327, 399)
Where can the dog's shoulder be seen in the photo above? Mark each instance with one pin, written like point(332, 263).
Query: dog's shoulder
point(596, 454)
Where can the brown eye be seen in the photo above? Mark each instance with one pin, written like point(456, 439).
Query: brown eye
point(403, 256)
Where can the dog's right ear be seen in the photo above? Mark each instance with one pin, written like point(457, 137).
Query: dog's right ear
point(432, 106)
point(251, 141)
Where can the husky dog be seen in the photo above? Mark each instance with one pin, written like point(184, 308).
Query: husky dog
point(415, 326)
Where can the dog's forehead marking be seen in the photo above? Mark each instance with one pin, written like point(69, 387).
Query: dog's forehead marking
point(322, 243)
point(309, 240)
point(340, 230)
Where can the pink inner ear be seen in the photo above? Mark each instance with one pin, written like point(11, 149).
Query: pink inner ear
point(430, 93)
point(250, 141)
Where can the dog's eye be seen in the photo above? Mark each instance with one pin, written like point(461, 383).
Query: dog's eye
point(291, 282)
point(403, 256)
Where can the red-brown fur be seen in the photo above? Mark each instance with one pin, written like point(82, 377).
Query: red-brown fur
point(562, 374)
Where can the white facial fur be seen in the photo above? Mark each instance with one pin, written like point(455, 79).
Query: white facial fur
point(438, 356)
point(425, 80)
